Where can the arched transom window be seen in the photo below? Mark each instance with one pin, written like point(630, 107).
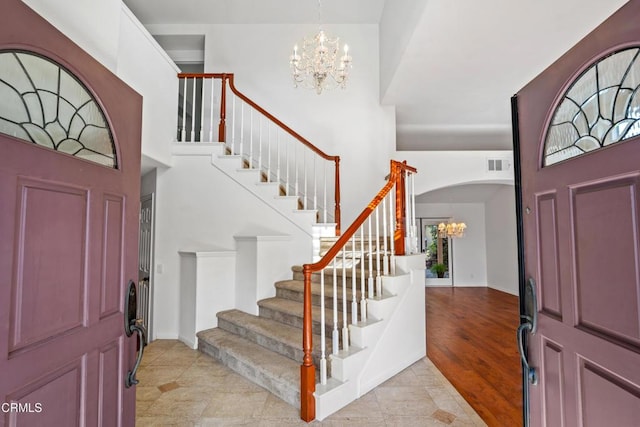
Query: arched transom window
point(43, 103)
point(600, 108)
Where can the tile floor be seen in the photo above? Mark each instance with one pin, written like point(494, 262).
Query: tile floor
point(183, 387)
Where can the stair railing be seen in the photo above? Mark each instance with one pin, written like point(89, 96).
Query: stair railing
point(207, 113)
point(385, 229)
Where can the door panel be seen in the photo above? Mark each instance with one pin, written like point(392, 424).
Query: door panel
point(550, 295)
point(111, 297)
point(69, 230)
point(51, 234)
point(553, 373)
point(45, 393)
point(580, 240)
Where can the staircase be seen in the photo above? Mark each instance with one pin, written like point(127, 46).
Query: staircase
point(266, 348)
point(333, 332)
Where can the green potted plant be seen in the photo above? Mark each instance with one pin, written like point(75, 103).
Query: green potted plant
point(438, 270)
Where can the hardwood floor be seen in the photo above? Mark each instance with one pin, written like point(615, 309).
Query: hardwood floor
point(471, 338)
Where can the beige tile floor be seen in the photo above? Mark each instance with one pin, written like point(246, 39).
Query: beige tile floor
point(183, 387)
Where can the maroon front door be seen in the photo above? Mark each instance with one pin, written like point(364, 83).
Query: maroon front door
point(579, 153)
point(69, 200)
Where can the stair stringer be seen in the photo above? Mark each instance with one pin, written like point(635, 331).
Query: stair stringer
point(389, 345)
point(250, 179)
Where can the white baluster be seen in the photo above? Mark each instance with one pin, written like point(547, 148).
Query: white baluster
point(335, 339)
point(286, 165)
point(183, 136)
point(392, 232)
point(385, 257)
point(354, 293)
point(345, 320)
point(241, 129)
point(295, 165)
point(251, 138)
point(260, 144)
point(277, 157)
point(323, 360)
point(304, 171)
point(363, 301)
point(211, 106)
point(407, 213)
point(413, 215)
point(233, 124)
point(202, 109)
point(370, 281)
point(378, 275)
point(324, 207)
point(315, 186)
point(193, 112)
point(268, 151)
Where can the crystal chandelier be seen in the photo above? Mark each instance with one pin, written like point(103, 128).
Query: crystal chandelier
point(451, 229)
point(317, 65)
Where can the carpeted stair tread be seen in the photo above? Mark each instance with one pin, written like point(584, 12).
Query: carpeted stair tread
point(291, 307)
point(328, 274)
point(271, 334)
point(276, 373)
point(290, 312)
point(297, 286)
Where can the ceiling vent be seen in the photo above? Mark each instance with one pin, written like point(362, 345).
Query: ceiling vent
point(498, 165)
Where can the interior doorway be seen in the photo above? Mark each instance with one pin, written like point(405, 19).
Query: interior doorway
point(438, 253)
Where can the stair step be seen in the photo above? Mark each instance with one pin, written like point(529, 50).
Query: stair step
point(290, 313)
point(294, 290)
point(326, 242)
point(273, 335)
point(328, 274)
point(276, 373)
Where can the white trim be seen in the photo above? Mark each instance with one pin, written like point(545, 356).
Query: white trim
point(263, 238)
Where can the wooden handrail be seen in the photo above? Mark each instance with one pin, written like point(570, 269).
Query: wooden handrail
point(229, 77)
point(307, 370)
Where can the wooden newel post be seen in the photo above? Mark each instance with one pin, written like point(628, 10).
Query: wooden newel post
point(401, 211)
point(337, 196)
point(307, 370)
point(223, 110)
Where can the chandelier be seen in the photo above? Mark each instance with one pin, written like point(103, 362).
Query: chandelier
point(317, 64)
point(451, 229)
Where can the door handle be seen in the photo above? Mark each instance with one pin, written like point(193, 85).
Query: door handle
point(529, 323)
point(133, 324)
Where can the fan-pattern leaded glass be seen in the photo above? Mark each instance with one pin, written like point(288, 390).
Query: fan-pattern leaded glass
point(600, 108)
point(43, 103)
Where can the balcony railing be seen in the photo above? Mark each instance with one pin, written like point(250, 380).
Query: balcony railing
point(208, 112)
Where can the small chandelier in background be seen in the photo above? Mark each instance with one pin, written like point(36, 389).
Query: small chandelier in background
point(451, 229)
point(317, 64)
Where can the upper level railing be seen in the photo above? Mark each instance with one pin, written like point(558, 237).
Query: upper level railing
point(385, 228)
point(208, 113)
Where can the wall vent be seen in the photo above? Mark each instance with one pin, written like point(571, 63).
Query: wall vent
point(498, 165)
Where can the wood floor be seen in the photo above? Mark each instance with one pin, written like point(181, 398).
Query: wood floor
point(471, 338)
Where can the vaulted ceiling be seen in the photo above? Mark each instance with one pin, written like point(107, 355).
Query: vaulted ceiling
point(449, 66)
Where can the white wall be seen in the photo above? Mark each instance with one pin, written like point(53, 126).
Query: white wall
point(148, 183)
point(440, 169)
point(350, 123)
point(501, 241)
point(91, 24)
point(469, 258)
point(148, 70)
point(397, 24)
point(108, 31)
point(199, 208)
